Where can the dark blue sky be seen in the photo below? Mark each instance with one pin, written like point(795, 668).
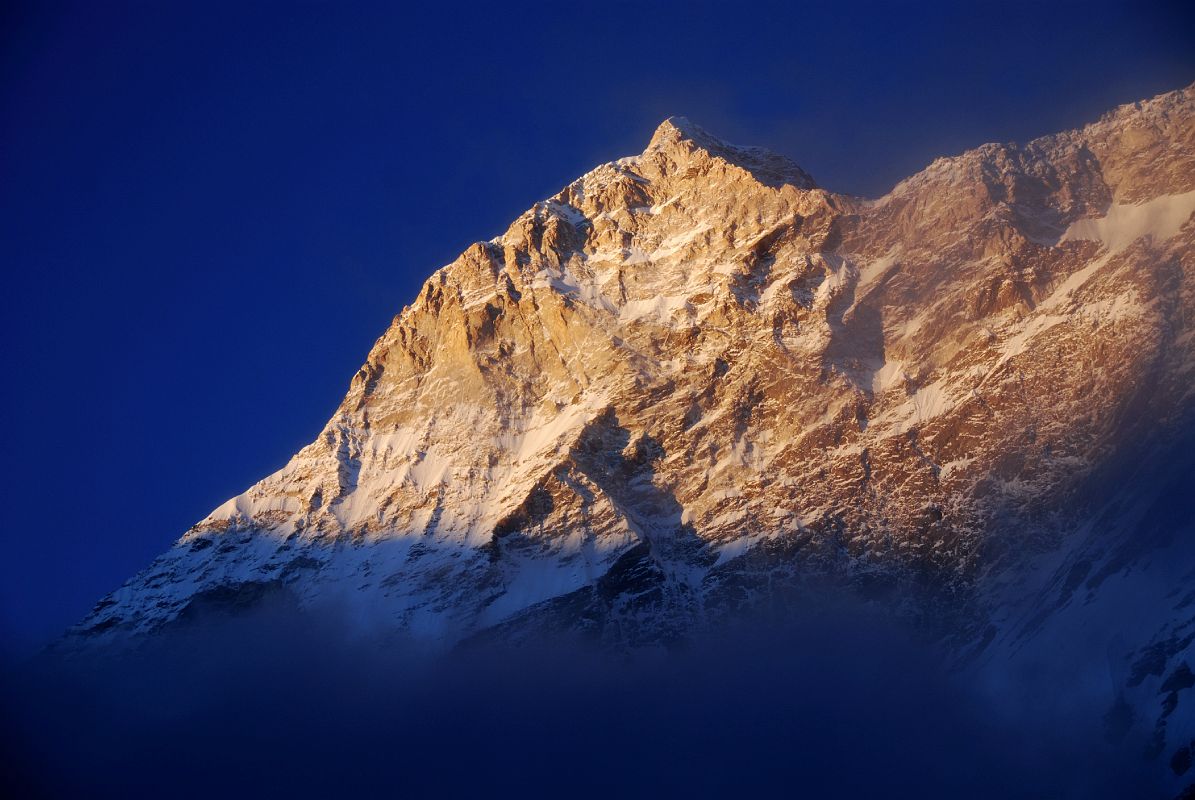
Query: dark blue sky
point(210, 211)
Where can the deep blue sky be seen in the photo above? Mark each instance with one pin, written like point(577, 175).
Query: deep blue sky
point(209, 212)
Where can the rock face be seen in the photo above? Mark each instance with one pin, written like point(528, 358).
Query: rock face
point(694, 382)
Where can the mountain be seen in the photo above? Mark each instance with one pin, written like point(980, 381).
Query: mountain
point(694, 385)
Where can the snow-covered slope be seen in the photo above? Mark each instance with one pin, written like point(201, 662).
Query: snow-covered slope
point(694, 382)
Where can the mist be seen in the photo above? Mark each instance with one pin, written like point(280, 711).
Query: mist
point(281, 702)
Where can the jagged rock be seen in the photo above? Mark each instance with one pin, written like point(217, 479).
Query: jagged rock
point(694, 382)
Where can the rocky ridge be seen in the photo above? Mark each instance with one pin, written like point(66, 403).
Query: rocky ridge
point(695, 382)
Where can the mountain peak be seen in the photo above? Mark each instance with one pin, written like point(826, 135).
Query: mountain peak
point(673, 393)
point(767, 167)
point(675, 129)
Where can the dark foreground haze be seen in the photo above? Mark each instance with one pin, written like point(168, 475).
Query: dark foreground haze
point(279, 704)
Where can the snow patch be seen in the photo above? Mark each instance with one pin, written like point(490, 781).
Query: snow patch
point(887, 376)
point(1122, 225)
point(931, 401)
point(660, 308)
point(874, 270)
